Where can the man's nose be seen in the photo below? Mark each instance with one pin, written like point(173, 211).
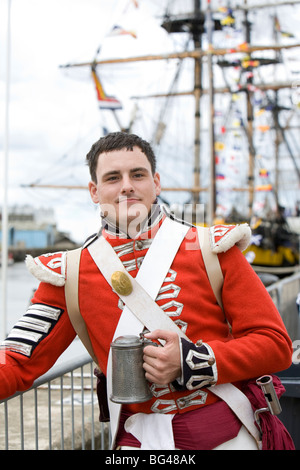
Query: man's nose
point(127, 186)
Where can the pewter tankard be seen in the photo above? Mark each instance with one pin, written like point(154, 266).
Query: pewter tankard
point(129, 384)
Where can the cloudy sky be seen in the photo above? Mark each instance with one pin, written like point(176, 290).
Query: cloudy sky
point(53, 112)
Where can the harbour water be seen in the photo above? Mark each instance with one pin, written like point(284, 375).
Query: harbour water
point(20, 287)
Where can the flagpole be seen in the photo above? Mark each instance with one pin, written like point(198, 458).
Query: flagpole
point(4, 244)
point(212, 186)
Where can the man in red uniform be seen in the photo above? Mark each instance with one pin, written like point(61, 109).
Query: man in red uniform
point(183, 372)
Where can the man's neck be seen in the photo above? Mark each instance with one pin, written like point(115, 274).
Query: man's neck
point(153, 218)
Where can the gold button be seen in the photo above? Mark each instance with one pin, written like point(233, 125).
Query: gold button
point(121, 283)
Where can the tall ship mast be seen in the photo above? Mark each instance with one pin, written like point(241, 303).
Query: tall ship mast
point(231, 98)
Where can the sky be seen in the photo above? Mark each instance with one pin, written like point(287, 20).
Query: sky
point(53, 112)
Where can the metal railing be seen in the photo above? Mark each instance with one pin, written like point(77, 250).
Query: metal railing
point(60, 411)
point(284, 294)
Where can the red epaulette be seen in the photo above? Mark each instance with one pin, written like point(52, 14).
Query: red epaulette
point(224, 237)
point(50, 267)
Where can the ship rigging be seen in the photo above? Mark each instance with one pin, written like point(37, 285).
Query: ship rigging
point(256, 108)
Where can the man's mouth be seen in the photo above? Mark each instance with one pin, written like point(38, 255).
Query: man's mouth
point(128, 199)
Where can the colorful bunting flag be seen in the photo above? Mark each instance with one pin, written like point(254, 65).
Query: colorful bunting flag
point(118, 31)
point(263, 128)
point(219, 146)
point(105, 102)
point(263, 173)
point(243, 46)
point(246, 63)
point(285, 34)
point(260, 112)
point(264, 187)
point(227, 21)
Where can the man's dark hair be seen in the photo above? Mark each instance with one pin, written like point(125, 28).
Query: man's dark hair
point(118, 141)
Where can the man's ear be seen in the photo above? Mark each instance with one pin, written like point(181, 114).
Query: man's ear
point(157, 184)
point(93, 191)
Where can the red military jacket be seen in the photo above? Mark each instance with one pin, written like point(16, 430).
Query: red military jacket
point(258, 344)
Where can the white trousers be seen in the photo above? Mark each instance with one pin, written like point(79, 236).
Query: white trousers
point(243, 441)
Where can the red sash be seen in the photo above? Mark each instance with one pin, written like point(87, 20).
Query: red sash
point(202, 429)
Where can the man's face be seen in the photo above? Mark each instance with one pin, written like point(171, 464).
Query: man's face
point(125, 187)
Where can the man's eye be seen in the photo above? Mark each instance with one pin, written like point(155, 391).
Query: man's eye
point(112, 178)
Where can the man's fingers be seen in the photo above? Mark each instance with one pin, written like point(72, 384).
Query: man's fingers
point(162, 364)
point(166, 335)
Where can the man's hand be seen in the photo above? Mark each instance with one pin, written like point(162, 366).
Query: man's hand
point(162, 364)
